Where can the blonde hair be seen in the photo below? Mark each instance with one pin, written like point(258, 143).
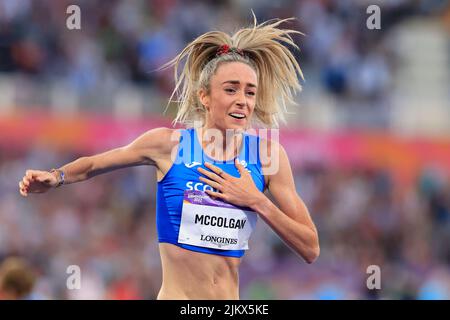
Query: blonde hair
point(17, 278)
point(265, 49)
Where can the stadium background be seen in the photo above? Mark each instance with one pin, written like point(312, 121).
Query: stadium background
point(369, 144)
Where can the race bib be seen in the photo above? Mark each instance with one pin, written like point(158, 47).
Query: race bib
point(210, 223)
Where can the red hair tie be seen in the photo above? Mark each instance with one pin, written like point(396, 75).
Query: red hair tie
point(225, 49)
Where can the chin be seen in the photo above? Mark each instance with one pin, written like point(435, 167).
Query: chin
point(236, 127)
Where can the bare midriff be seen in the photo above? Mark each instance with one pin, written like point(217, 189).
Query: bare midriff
point(197, 276)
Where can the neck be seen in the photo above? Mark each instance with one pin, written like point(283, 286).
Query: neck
point(220, 143)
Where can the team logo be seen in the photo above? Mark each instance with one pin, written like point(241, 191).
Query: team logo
point(192, 164)
point(244, 164)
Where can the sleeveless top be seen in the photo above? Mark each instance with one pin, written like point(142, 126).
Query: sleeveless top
point(183, 177)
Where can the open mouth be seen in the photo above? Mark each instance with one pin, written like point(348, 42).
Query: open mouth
point(237, 115)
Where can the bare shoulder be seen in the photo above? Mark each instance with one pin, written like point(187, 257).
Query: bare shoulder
point(273, 157)
point(160, 137)
point(156, 143)
point(164, 139)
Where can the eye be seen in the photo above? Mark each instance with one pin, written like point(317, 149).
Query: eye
point(230, 90)
point(251, 93)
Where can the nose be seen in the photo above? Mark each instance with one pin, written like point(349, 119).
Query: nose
point(241, 100)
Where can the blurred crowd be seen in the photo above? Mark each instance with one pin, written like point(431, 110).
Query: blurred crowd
point(106, 226)
point(124, 42)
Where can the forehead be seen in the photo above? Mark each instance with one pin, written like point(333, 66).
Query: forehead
point(235, 71)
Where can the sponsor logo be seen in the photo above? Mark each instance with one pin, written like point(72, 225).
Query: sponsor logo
point(192, 164)
point(219, 241)
point(244, 164)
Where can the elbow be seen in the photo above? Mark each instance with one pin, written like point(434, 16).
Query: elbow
point(313, 253)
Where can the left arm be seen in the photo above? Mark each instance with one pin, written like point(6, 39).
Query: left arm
point(291, 220)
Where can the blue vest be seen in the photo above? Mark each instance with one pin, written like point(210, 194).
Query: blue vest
point(183, 175)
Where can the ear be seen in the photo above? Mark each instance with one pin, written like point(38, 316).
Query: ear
point(203, 96)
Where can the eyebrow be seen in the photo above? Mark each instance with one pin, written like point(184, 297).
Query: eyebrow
point(238, 82)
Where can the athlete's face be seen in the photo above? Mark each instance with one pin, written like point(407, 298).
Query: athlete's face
point(232, 97)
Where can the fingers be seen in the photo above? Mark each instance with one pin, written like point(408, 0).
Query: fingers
point(215, 194)
point(27, 179)
point(22, 189)
point(36, 175)
point(212, 175)
point(30, 175)
point(240, 167)
point(26, 182)
point(218, 171)
point(213, 184)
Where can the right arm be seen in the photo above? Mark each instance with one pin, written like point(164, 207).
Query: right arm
point(147, 149)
